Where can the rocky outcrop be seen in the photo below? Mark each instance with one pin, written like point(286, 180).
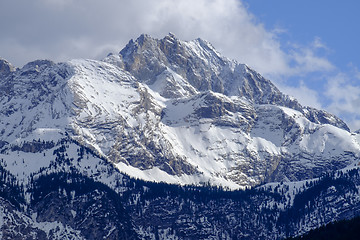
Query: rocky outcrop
point(5, 68)
point(174, 111)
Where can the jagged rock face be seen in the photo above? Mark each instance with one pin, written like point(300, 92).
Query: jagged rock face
point(323, 117)
point(176, 68)
point(175, 111)
point(34, 98)
point(5, 68)
point(16, 225)
point(196, 67)
point(198, 63)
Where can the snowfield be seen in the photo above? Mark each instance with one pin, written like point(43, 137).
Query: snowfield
point(174, 111)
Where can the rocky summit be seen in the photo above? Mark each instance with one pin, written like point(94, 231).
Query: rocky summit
point(76, 135)
point(175, 111)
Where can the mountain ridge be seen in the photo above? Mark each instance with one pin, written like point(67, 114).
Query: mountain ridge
point(166, 140)
point(178, 112)
point(76, 190)
point(171, 51)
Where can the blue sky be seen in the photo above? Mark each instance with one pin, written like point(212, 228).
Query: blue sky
point(332, 25)
point(309, 49)
point(334, 22)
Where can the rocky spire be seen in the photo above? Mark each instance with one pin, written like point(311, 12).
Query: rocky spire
point(5, 67)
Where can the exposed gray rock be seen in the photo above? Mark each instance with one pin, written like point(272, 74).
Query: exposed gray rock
point(5, 68)
point(174, 111)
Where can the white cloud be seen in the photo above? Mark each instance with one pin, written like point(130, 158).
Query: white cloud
point(306, 60)
point(305, 95)
point(355, 124)
point(65, 29)
point(317, 43)
point(354, 71)
point(344, 98)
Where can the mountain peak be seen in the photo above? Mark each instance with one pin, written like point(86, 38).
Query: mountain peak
point(172, 111)
point(6, 67)
point(41, 63)
point(199, 66)
point(175, 107)
point(143, 38)
point(171, 36)
point(196, 62)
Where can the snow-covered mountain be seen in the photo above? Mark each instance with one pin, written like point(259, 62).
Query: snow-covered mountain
point(174, 111)
point(78, 139)
point(63, 190)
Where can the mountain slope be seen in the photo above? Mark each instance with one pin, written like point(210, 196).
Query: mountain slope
point(169, 111)
point(175, 111)
point(75, 190)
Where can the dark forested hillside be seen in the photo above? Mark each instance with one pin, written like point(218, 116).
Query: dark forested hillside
point(338, 230)
point(136, 209)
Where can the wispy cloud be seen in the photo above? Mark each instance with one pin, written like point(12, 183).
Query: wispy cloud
point(305, 95)
point(344, 95)
point(317, 43)
point(305, 60)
